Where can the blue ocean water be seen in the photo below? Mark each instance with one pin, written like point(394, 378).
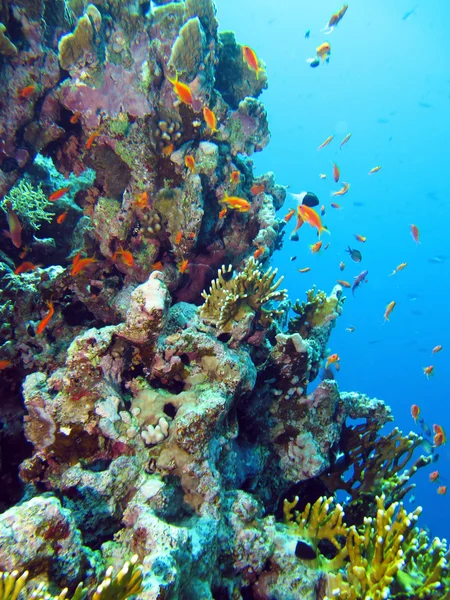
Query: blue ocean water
point(388, 84)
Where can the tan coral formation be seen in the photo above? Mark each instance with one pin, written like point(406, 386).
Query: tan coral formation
point(73, 46)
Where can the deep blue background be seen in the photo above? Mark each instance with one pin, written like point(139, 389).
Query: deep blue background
point(388, 83)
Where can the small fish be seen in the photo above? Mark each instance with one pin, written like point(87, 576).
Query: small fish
point(289, 215)
point(442, 490)
point(323, 51)
point(62, 217)
point(24, 252)
point(400, 267)
point(157, 266)
point(389, 308)
point(141, 200)
point(259, 252)
point(358, 280)
point(167, 150)
point(257, 188)
point(310, 216)
point(251, 60)
point(415, 412)
point(341, 265)
point(336, 172)
point(183, 265)
point(360, 238)
point(439, 430)
point(425, 427)
point(313, 62)
point(436, 349)
point(438, 439)
point(415, 233)
point(434, 476)
point(326, 142)
point(46, 320)
point(322, 175)
point(58, 194)
point(307, 34)
point(75, 117)
point(428, 371)
point(344, 284)
point(178, 238)
point(333, 359)
point(350, 329)
point(124, 256)
point(235, 177)
point(322, 210)
point(236, 203)
point(182, 90)
point(26, 92)
point(293, 258)
point(4, 364)
point(315, 247)
point(336, 205)
point(355, 255)
point(79, 264)
point(222, 213)
point(25, 267)
point(409, 13)
point(189, 162)
point(327, 246)
point(344, 189)
point(374, 170)
point(345, 140)
point(210, 119)
point(91, 139)
point(305, 270)
point(335, 19)
point(15, 228)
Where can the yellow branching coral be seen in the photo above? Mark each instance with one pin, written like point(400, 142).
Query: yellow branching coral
point(316, 311)
point(232, 298)
point(127, 582)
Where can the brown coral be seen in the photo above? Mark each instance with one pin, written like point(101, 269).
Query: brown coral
point(73, 46)
point(188, 49)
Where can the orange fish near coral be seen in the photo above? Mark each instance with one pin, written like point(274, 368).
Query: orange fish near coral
point(141, 200)
point(428, 371)
point(436, 349)
point(157, 266)
point(442, 490)
point(257, 188)
point(374, 170)
point(222, 213)
point(167, 150)
point(124, 256)
point(91, 139)
point(360, 238)
point(315, 247)
point(182, 90)
point(438, 430)
point(344, 284)
point(235, 177)
point(415, 233)
point(62, 217)
point(178, 238)
point(189, 161)
point(335, 19)
point(25, 267)
point(58, 194)
point(434, 476)
point(183, 265)
point(251, 60)
point(259, 252)
point(236, 203)
point(46, 320)
point(75, 117)
point(79, 264)
point(326, 142)
point(389, 308)
point(15, 228)
point(333, 359)
point(336, 172)
point(345, 140)
point(289, 215)
point(415, 412)
point(4, 364)
point(210, 119)
point(310, 216)
point(26, 92)
point(344, 189)
point(400, 267)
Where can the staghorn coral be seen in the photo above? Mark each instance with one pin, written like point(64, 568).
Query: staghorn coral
point(188, 49)
point(29, 203)
point(244, 294)
point(316, 311)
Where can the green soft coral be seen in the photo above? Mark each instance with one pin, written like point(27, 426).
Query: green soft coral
point(316, 311)
point(29, 203)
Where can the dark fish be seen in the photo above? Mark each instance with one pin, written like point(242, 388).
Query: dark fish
point(307, 199)
point(328, 374)
point(425, 428)
point(293, 258)
point(314, 63)
point(304, 551)
point(355, 254)
point(409, 13)
point(435, 457)
point(307, 33)
point(358, 280)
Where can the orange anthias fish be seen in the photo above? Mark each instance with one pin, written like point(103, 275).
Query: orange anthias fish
point(374, 170)
point(315, 247)
point(189, 161)
point(167, 150)
point(428, 370)
point(305, 270)
point(389, 308)
point(91, 139)
point(157, 266)
point(62, 217)
point(25, 267)
point(251, 60)
point(326, 142)
point(335, 19)
point(415, 233)
point(178, 238)
point(438, 430)
point(335, 205)
point(236, 203)
point(182, 90)
point(75, 117)
point(436, 349)
point(344, 189)
point(360, 238)
point(259, 252)
point(257, 188)
point(124, 256)
point(289, 215)
point(4, 364)
point(141, 200)
point(345, 284)
point(79, 264)
point(210, 119)
point(310, 216)
point(434, 476)
point(415, 412)
point(46, 320)
point(333, 359)
point(235, 177)
point(183, 265)
point(442, 490)
point(400, 267)
point(222, 213)
point(15, 228)
point(336, 172)
point(26, 92)
point(345, 140)
point(58, 194)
